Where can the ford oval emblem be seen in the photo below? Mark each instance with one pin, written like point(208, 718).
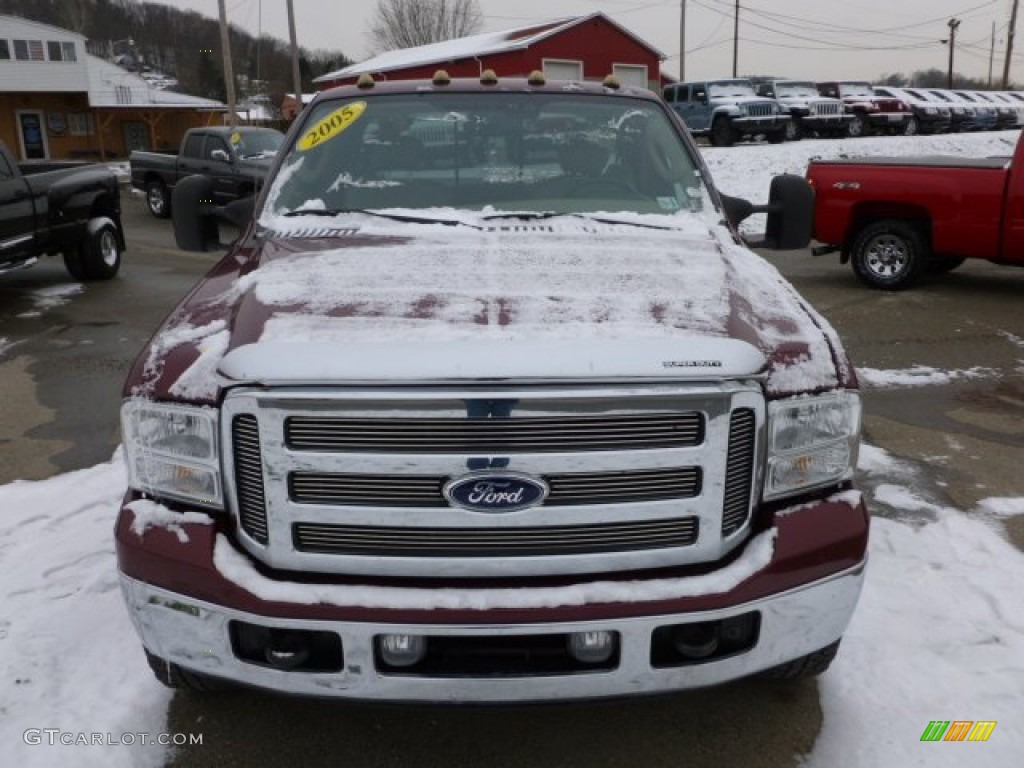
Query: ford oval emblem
point(495, 491)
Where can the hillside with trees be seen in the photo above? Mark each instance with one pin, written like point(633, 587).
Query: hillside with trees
point(182, 44)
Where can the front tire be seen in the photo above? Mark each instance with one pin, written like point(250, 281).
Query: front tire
point(98, 257)
point(722, 133)
point(890, 255)
point(913, 127)
point(158, 199)
point(811, 665)
point(793, 131)
point(858, 126)
point(777, 137)
point(174, 676)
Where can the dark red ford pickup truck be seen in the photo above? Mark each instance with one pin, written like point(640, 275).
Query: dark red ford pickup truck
point(896, 219)
point(489, 402)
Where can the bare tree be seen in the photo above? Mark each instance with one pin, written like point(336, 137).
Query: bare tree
point(408, 23)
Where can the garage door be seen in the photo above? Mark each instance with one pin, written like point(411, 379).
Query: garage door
point(560, 69)
point(631, 74)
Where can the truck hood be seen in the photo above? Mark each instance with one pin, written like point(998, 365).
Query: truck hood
point(569, 301)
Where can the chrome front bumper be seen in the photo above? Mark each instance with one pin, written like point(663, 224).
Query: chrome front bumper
point(194, 635)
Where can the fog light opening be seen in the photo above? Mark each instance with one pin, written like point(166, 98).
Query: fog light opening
point(287, 650)
point(591, 647)
point(696, 641)
point(402, 650)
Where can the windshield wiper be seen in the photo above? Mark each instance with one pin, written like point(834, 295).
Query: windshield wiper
point(536, 215)
point(525, 215)
point(401, 217)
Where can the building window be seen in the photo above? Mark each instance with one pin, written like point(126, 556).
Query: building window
point(123, 94)
point(80, 124)
point(5, 50)
point(29, 50)
point(69, 51)
point(53, 50)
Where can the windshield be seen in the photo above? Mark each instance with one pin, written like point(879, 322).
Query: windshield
point(571, 153)
point(796, 89)
point(257, 143)
point(732, 88)
point(856, 89)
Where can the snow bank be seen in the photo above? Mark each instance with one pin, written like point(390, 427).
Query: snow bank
point(69, 655)
point(938, 635)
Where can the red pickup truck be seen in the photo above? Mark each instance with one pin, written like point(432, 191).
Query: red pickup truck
point(898, 218)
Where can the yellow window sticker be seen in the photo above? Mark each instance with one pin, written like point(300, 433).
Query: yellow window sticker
point(236, 137)
point(332, 126)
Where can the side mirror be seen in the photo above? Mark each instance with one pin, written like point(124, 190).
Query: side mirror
point(220, 154)
point(197, 219)
point(790, 212)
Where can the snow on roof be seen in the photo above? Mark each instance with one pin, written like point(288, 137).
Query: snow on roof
point(484, 44)
point(112, 86)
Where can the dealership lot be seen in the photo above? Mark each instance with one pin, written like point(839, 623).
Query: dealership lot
point(64, 350)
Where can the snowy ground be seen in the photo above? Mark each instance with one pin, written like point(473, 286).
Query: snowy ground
point(938, 635)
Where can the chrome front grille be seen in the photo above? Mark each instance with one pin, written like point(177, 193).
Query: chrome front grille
point(565, 489)
point(349, 481)
point(759, 110)
point(476, 435)
point(546, 541)
point(826, 108)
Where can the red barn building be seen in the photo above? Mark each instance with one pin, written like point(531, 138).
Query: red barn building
point(577, 48)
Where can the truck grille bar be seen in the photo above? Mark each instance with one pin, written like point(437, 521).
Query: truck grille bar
point(494, 542)
point(739, 470)
point(425, 491)
point(252, 503)
point(536, 435)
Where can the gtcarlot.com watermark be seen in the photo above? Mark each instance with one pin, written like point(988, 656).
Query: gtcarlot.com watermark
point(55, 736)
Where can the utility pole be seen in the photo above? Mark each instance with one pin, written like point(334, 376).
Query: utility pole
point(736, 41)
point(682, 41)
point(1009, 45)
point(296, 79)
point(954, 24)
point(229, 72)
point(991, 54)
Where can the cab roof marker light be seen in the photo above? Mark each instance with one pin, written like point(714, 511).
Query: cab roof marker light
point(441, 77)
point(488, 77)
point(365, 81)
point(537, 78)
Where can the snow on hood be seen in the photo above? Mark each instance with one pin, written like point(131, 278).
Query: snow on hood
point(569, 299)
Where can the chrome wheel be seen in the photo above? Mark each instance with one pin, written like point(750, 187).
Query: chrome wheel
point(108, 247)
point(886, 256)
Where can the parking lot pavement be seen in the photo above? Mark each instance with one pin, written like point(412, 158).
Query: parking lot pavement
point(65, 348)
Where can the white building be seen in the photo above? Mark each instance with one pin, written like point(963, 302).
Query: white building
point(57, 101)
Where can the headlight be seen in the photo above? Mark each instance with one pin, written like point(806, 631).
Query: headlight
point(812, 442)
point(930, 110)
point(171, 450)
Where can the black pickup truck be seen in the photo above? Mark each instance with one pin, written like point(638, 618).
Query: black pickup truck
point(237, 159)
point(74, 211)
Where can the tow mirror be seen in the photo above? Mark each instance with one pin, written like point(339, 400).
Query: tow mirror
point(790, 213)
point(197, 218)
point(220, 154)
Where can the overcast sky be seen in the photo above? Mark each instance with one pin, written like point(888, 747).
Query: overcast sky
point(816, 39)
